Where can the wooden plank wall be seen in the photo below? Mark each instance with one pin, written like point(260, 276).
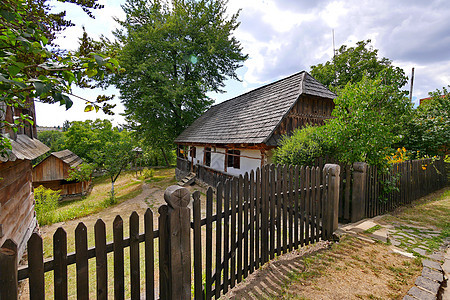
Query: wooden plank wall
point(17, 218)
point(308, 110)
point(52, 168)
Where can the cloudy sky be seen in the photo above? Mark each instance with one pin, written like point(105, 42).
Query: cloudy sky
point(283, 37)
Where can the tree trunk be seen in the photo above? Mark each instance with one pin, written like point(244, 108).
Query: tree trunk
point(112, 188)
point(165, 157)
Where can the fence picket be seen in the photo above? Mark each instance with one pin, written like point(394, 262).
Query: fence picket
point(240, 193)
point(285, 209)
point(198, 285)
point(60, 259)
point(81, 257)
point(101, 259)
point(149, 255)
point(234, 185)
point(209, 250)
point(218, 240)
point(307, 205)
point(246, 226)
point(252, 220)
point(258, 218)
point(226, 235)
point(313, 204)
point(296, 200)
point(36, 267)
point(119, 283)
point(318, 204)
point(302, 206)
point(279, 187)
point(272, 210)
point(134, 257)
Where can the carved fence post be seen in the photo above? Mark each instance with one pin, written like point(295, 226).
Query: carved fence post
point(332, 211)
point(178, 242)
point(359, 191)
point(8, 271)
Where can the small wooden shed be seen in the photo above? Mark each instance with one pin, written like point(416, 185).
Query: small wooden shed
point(53, 172)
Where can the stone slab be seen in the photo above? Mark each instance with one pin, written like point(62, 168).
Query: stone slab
point(446, 266)
point(436, 256)
point(421, 294)
point(428, 284)
point(363, 226)
point(408, 297)
point(432, 274)
point(431, 264)
point(420, 251)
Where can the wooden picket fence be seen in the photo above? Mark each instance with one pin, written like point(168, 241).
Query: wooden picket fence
point(405, 182)
point(257, 217)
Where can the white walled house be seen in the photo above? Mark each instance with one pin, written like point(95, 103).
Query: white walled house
point(240, 134)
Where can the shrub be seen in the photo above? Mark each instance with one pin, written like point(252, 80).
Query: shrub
point(147, 173)
point(301, 148)
point(46, 202)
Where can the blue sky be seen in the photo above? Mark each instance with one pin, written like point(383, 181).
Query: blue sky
point(283, 37)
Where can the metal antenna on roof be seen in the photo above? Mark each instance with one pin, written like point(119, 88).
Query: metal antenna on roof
point(412, 82)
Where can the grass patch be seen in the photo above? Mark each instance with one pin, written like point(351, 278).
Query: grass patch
point(373, 229)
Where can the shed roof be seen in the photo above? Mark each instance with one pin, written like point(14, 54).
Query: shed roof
point(252, 117)
point(68, 157)
point(25, 147)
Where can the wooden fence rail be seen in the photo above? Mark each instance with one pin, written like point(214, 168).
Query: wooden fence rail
point(258, 216)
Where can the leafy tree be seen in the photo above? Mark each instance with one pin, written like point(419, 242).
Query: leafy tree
point(81, 173)
point(350, 64)
point(173, 53)
point(55, 140)
point(32, 67)
point(429, 129)
point(369, 117)
point(101, 144)
point(86, 138)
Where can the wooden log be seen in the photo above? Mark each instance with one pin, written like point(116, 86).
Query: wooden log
point(60, 263)
point(36, 267)
point(119, 283)
point(333, 172)
point(358, 191)
point(218, 245)
point(135, 271)
point(198, 285)
point(179, 242)
point(8, 276)
point(101, 259)
point(149, 255)
point(81, 257)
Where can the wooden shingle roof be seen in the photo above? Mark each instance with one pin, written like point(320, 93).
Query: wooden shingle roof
point(24, 147)
point(252, 117)
point(68, 157)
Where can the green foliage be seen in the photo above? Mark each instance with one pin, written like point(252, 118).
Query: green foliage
point(350, 64)
point(369, 117)
point(29, 69)
point(429, 129)
point(81, 173)
point(54, 139)
point(46, 202)
point(174, 53)
point(147, 173)
point(301, 148)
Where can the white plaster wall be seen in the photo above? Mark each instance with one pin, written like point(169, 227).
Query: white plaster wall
point(247, 164)
point(198, 156)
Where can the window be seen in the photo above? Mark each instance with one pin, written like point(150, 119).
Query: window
point(234, 159)
point(193, 152)
point(207, 161)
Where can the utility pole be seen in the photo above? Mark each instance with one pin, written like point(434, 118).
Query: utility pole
point(412, 83)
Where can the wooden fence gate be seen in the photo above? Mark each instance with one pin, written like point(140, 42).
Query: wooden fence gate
point(248, 221)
